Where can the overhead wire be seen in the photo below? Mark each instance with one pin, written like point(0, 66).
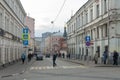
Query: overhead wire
point(60, 10)
point(52, 22)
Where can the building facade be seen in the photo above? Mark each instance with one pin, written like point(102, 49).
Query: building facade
point(30, 23)
point(52, 42)
point(12, 17)
point(38, 41)
point(44, 36)
point(99, 19)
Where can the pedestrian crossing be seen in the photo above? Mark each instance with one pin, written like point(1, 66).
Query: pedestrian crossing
point(57, 67)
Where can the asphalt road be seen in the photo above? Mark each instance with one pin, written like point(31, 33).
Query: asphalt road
point(43, 70)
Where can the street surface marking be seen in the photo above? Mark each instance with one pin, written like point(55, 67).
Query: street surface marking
point(51, 67)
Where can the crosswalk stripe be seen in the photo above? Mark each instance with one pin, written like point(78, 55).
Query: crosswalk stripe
point(40, 68)
point(51, 67)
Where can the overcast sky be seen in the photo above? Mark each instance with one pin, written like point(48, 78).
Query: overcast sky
point(45, 11)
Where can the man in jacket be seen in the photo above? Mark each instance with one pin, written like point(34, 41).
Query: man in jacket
point(54, 59)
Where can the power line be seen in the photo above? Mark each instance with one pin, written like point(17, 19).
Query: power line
point(60, 10)
point(52, 22)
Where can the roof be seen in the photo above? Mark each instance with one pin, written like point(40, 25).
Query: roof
point(58, 34)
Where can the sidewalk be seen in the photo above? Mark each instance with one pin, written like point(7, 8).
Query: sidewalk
point(89, 63)
point(15, 68)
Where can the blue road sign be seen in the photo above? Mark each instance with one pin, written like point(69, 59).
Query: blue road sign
point(87, 38)
point(25, 30)
point(25, 42)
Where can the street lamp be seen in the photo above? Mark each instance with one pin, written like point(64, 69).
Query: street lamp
point(108, 28)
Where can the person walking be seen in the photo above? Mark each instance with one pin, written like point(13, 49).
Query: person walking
point(54, 59)
point(115, 57)
point(23, 57)
point(96, 57)
point(63, 55)
point(29, 57)
point(105, 56)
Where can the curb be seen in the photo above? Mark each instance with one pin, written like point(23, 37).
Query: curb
point(11, 75)
point(90, 65)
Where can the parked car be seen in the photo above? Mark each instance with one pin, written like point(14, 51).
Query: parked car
point(39, 57)
point(47, 55)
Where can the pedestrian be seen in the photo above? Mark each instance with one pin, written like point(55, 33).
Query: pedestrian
point(68, 56)
point(105, 56)
point(23, 57)
point(54, 59)
point(96, 57)
point(115, 57)
point(63, 55)
point(29, 57)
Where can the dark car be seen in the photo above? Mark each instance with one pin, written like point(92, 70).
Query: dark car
point(39, 57)
point(47, 55)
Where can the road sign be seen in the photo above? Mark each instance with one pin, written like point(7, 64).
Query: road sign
point(25, 30)
point(25, 36)
point(88, 43)
point(25, 42)
point(87, 38)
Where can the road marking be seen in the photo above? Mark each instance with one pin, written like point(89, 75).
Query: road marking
point(51, 67)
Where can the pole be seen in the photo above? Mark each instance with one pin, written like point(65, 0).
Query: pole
point(108, 31)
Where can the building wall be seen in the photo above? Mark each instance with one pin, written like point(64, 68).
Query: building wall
point(38, 45)
point(52, 43)
point(12, 17)
point(98, 20)
point(44, 36)
point(30, 23)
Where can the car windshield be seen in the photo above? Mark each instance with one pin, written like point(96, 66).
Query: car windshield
point(59, 39)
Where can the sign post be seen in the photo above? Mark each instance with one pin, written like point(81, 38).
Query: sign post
point(25, 38)
point(87, 38)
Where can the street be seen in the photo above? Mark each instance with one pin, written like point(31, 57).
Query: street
point(43, 70)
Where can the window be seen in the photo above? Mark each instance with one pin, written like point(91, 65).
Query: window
point(82, 19)
point(98, 49)
point(105, 6)
point(86, 17)
point(79, 20)
point(74, 27)
point(86, 51)
point(0, 20)
point(106, 30)
point(91, 34)
point(97, 32)
point(98, 11)
point(80, 51)
point(91, 14)
point(106, 48)
point(102, 32)
point(6, 23)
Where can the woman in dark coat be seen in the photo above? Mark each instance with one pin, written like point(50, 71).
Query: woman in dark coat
point(115, 58)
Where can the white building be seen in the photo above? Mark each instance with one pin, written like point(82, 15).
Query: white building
point(99, 19)
point(12, 16)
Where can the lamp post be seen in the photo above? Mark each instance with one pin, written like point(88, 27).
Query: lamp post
point(52, 22)
point(108, 33)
